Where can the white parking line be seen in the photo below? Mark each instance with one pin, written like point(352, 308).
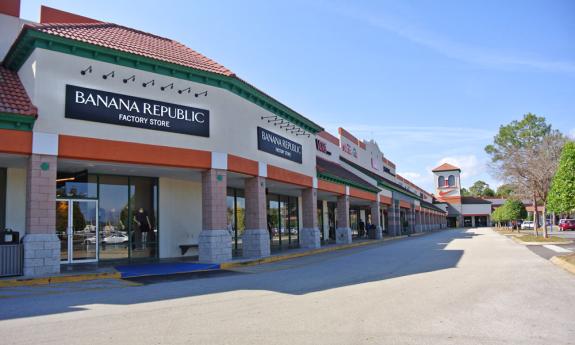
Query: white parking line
point(556, 248)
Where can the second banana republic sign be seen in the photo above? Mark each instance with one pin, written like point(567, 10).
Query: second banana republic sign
point(277, 145)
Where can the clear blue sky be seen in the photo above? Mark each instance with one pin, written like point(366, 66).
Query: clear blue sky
point(430, 81)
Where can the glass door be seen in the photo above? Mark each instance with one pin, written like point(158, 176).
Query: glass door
point(77, 228)
point(62, 213)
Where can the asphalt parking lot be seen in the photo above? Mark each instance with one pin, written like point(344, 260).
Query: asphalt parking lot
point(458, 287)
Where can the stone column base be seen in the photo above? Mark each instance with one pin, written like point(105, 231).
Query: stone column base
point(41, 254)
point(309, 238)
point(256, 243)
point(343, 235)
point(377, 234)
point(215, 246)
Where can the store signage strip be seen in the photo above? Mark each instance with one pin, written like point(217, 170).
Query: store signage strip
point(277, 145)
point(107, 107)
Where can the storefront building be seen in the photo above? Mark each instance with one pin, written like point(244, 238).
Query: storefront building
point(117, 144)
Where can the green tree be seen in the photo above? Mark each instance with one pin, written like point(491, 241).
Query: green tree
point(488, 193)
point(514, 209)
point(511, 210)
point(523, 155)
point(478, 188)
point(496, 216)
point(465, 192)
point(481, 189)
point(504, 191)
point(561, 197)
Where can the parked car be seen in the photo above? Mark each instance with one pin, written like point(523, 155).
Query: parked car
point(116, 238)
point(527, 225)
point(567, 224)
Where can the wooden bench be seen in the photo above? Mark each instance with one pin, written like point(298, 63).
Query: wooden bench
point(184, 247)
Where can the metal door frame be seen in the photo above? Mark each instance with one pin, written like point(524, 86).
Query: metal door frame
point(70, 231)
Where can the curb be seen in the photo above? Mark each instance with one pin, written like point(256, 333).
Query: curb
point(276, 258)
point(564, 264)
point(226, 265)
point(58, 279)
point(538, 243)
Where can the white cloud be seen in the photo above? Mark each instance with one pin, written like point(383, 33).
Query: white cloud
point(470, 166)
point(423, 180)
point(416, 134)
point(451, 49)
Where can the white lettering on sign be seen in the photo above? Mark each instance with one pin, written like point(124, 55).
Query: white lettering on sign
point(281, 142)
point(105, 101)
point(158, 110)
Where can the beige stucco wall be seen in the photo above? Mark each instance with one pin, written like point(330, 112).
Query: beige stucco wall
point(16, 199)
point(233, 120)
point(476, 209)
point(180, 209)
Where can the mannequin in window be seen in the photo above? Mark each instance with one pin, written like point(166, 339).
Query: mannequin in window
point(144, 225)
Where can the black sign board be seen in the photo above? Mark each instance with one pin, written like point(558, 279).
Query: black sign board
point(277, 145)
point(107, 107)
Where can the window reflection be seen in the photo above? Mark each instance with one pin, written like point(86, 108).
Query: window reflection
point(78, 185)
point(113, 217)
point(236, 207)
point(283, 221)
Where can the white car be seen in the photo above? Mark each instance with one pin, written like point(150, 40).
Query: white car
point(116, 238)
point(111, 239)
point(527, 225)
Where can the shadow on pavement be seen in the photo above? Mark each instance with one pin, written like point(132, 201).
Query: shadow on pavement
point(296, 277)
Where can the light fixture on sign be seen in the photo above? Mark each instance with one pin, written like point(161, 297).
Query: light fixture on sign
point(132, 78)
point(289, 127)
point(87, 70)
point(148, 83)
point(171, 86)
point(111, 75)
point(188, 89)
point(205, 93)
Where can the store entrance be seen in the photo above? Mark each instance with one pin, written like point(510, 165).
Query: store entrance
point(77, 229)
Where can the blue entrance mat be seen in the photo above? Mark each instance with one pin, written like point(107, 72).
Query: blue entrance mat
point(132, 271)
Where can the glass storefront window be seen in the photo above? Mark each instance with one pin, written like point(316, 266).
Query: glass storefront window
point(240, 218)
point(143, 198)
point(331, 212)
point(236, 209)
point(283, 221)
point(127, 216)
point(274, 221)
point(231, 210)
point(114, 217)
point(293, 222)
point(62, 228)
point(320, 218)
point(353, 221)
point(76, 186)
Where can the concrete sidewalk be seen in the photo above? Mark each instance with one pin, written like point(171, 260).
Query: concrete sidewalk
point(109, 272)
point(460, 287)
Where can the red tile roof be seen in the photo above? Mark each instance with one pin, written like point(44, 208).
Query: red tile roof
point(446, 167)
point(13, 96)
point(133, 41)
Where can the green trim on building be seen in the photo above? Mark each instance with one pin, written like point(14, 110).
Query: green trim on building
point(383, 184)
point(30, 39)
point(339, 180)
point(17, 121)
point(381, 181)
